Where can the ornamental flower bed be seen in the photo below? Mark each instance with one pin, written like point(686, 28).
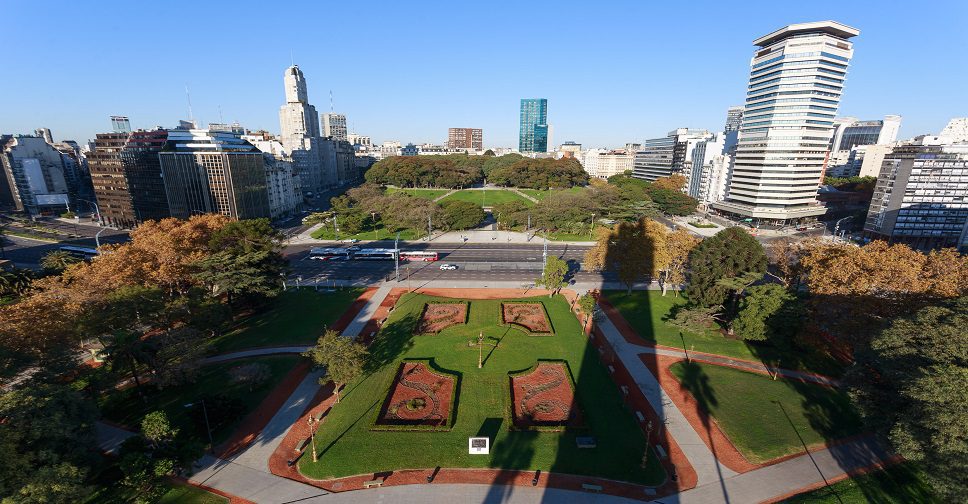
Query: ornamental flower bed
point(529, 316)
point(438, 316)
point(419, 398)
point(543, 398)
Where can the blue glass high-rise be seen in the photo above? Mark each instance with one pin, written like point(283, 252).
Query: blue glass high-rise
point(533, 136)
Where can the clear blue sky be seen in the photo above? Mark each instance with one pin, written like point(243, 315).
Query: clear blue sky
point(612, 72)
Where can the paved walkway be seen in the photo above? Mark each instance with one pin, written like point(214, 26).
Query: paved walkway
point(702, 459)
point(359, 322)
point(109, 437)
point(785, 477)
point(255, 352)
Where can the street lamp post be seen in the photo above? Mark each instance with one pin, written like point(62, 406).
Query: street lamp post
point(373, 219)
point(100, 218)
point(208, 427)
point(312, 434)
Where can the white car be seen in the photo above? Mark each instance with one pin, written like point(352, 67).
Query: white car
point(445, 267)
point(350, 240)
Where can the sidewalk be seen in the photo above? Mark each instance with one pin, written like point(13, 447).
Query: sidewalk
point(451, 238)
point(708, 468)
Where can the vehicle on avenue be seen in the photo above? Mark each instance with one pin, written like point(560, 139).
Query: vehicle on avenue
point(327, 254)
point(447, 267)
point(375, 254)
point(350, 240)
point(85, 253)
point(421, 255)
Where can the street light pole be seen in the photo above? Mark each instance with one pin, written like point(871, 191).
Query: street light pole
point(100, 218)
point(396, 257)
point(312, 434)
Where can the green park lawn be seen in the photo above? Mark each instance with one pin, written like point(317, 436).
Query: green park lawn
point(766, 418)
point(487, 197)
point(127, 408)
point(379, 233)
point(540, 194)
point(648, 311)
point(296, 317)
point(430, 194)
point(899, 484)
point(347, 446)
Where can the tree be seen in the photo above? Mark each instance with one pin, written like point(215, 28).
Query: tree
point(125, 348)
point(462, 214)
point(634, 250)
point(671, 183)
point(15, 282)
point(672, 202)
point(156, 428)
point(341, 357)
point(553, 276)
point(678, 244)
point(758, 310)
point(489, 153)
point(912, 388)
point(730, 253)
point(587, 303)
point(247, 260)
point(56, 261)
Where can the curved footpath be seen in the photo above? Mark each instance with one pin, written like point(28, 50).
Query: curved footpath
point(246, 475)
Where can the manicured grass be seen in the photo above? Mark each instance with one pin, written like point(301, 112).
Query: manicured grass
point(540, 194)
point(296, 317)
point(648, 311)
point(899, 484)
point(487, 197)
point(702, 225)
point(429, 194)
point(348, 446)
point(127, 408)
point(764, 418)
point(178, 493)
point(380, 233)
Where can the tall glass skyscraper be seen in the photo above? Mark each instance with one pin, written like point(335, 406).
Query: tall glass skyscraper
point(533, 136)
point(796, 79)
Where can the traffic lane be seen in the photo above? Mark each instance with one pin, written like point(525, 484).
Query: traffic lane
point(26, 251)
point(299, 252)
point(83, 228)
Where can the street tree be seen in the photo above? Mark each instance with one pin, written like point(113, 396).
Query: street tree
point(587, 303)
point(730, 253)
point(765, 313)
point(911, 385)
point(56, 261)
point(678, 244)
point(671, 183)
point(341, 357)
point(458, 215)
point(553, 276)
point(156, 428)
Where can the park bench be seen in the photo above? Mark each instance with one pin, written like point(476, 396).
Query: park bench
point(373, 483)
point(591, 488)
point(586, 442)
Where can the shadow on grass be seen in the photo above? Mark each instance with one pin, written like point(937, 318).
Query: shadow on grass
point(695, 380)
point(393, 339)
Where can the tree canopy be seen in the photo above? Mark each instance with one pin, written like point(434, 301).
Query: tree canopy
point(342, 358)
point(461, 215)
point(729, 254)
point(451, 171)
point(542, 173)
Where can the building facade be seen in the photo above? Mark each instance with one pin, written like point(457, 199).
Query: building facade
point(734, 118)
point(299, 125)
point(282, 186)
point(668, 155)
point(334, 126)
point(36, 175)
point(797, 76)
point(465, 138)
point(921, 197)
point(703, 153)
point(533, 133)
point(126, 175)
point(207, 172)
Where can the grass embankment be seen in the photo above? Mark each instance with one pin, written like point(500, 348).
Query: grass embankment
point(899, 484)
point(766, 418)
point(347, 445)
point(648, 313)
point(486, 197)
point(296, 317)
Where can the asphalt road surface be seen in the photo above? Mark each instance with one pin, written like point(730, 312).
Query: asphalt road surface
point(481, 262)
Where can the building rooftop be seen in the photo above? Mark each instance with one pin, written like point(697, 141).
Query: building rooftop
point(830, 27)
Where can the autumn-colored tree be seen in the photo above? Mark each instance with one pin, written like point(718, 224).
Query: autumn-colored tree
point(678, 244)
point(672, 182)
point(855, 290)
point(634, 250)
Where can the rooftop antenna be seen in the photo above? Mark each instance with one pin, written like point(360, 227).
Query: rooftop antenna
point(331, 109)
point(220, 115)
point(189, 95)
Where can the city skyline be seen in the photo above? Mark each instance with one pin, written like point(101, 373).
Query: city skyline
point(596, 112)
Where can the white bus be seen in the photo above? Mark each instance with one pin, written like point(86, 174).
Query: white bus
point(85, 253)
point(376, 254)
point(328, 254)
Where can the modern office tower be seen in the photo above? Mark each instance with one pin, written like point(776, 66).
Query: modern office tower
point(734, 117)
point(227, 128)
point(465, 138)
point(703, 153)
point(796, 79)
point(850, 133)
point(120, 124)
point(217, 172)
point(671, 154)
point(921, 196)
point(126, 175)
point(533, 135)
point(36, 175)
point(334, 126)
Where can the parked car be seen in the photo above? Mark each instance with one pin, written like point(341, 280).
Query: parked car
point(350, 240)
point(446, 267)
